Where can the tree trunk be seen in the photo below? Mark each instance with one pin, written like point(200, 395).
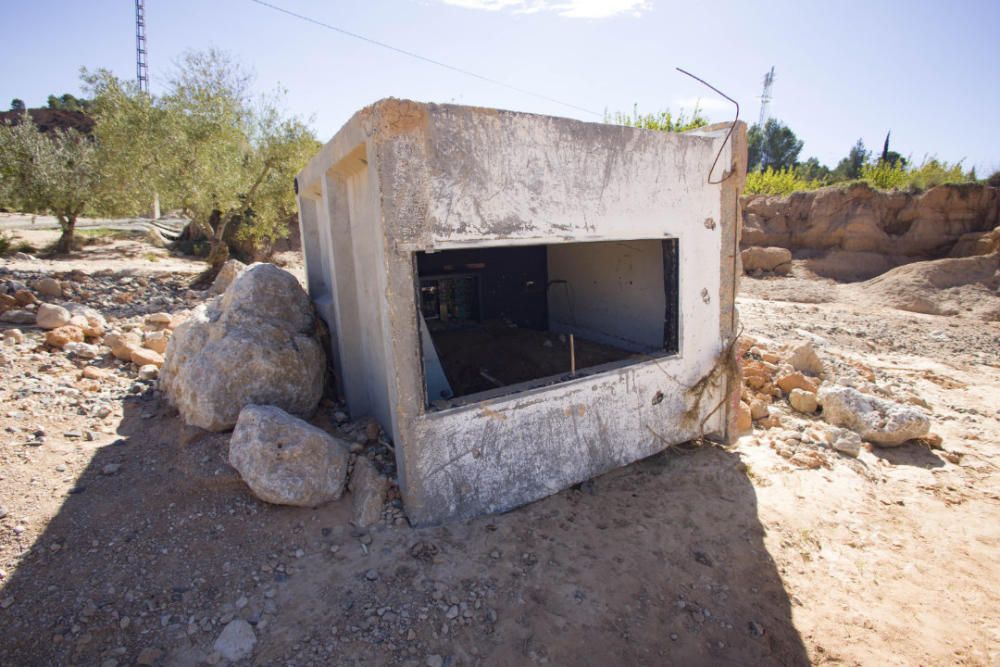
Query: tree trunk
point(218, 249)
point(65, 243)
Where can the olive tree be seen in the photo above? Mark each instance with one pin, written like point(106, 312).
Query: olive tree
point(55, 172)
point(205, 146)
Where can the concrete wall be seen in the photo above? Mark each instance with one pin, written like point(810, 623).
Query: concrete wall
point(613, 292)
point(443, 176)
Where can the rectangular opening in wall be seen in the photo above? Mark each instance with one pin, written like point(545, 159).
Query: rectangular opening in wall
point(498, 320)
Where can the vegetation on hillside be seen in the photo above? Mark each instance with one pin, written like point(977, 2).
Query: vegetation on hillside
point(774, 168)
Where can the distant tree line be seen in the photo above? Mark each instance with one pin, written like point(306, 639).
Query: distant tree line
point(774, 166)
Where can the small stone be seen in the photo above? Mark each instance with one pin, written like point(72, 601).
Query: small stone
point(13, 336)
point(157, 341)
point(805, 359)
point(744, 419)
point(236, 641)
point(94, 373)
point(49, 316)
point(143, 356)
point(122, 344)
point(159, 319)
point(797, 380)
point(24, 298)
point(434, 661)
point(758, 409)
point(61, 336)
point(803, 401)
point(148, 372)
point(847, 442)
point(368, 489)
point(48, 287)
point(82, 350)
point(149, 656)
point(111, 468)
point(371, 575)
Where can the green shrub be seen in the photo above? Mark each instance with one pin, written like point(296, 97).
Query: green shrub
point(932, 172)
point(777, 182)
point(664, 121)
point(886, 176)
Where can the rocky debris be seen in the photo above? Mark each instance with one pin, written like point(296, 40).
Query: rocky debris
point(227, 274)
point(861, 219)
point(744, 420)
point(803, 401)
point(254, 344)
point(149, 372)
point(91, 321)
point(876, 420)
point(17, 316)
point(805, 360)
point(846, 442)
point(158, 321)
point(83, 350)
point(236, 641)
point(286, 461)
point(792, 381)
point(63, 335)
point(23, 297)
point(49, 316)
point(758, 409)
point(123, 344)
point(156, 341)
point(368, 489)
point(49, 287)
point(142, 356)
point(770, 259)
point(13, 337)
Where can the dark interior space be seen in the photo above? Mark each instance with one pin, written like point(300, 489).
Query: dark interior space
point(488, 320)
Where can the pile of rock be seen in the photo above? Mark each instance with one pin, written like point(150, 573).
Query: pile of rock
point(800, 376)
point(250, 360)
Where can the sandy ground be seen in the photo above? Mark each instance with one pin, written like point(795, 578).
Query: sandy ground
point(125, 538)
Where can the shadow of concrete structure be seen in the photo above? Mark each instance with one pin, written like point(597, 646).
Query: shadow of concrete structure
point(659, 563)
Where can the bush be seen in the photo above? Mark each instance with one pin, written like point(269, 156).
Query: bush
point(777, 182)
point(932, 172)
point(664, 121)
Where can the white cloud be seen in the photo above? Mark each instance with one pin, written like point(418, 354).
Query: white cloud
point(579, 9)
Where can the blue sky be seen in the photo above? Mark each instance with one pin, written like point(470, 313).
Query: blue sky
point(929, 71)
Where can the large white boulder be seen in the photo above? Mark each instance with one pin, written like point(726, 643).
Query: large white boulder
point(876, 420)
point(254, 344)
point(286, 461)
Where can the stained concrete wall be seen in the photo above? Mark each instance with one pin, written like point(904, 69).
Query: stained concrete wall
point(444, 176)
point(609, 292)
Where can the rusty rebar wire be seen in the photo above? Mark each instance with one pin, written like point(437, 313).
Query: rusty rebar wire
point(731, 127)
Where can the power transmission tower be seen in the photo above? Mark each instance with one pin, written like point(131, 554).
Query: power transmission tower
point(765, 97)
point(141, 67)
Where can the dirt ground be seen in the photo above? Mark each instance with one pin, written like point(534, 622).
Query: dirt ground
point(125, 537)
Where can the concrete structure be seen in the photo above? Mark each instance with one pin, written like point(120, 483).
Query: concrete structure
point(453, 250)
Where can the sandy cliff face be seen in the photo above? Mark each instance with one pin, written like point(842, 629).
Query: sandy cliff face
point(859, 219)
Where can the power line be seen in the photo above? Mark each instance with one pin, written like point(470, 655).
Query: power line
point(417, 56)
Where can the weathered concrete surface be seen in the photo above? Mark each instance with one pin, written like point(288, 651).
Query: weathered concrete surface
point(403, 177)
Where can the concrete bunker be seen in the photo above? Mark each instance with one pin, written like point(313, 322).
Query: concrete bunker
point(456, 251)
